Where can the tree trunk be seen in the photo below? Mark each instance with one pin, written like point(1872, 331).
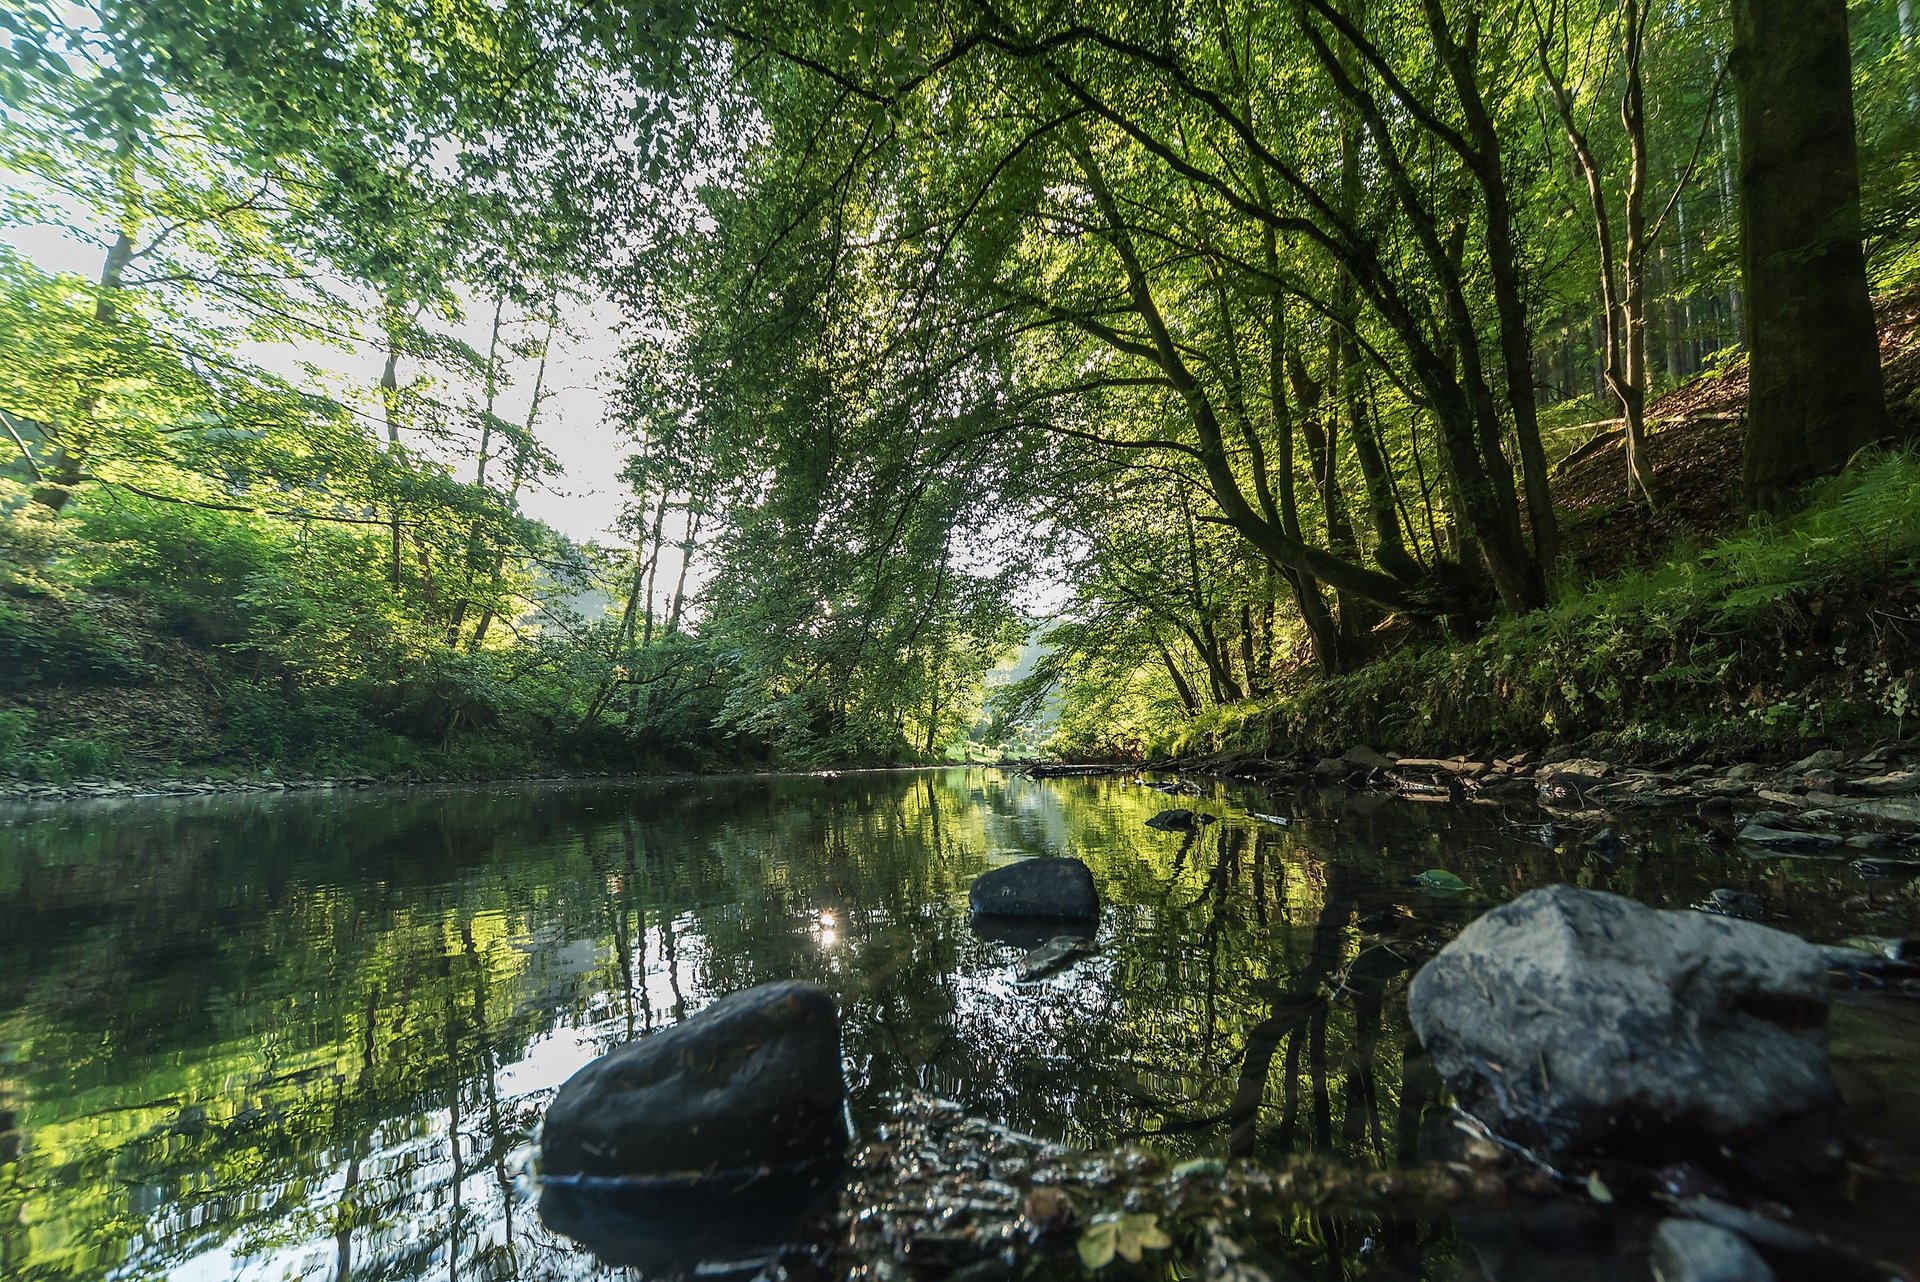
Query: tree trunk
point(1390, 548)
point(1633, 393)
point(622, 659)
point(390, 405)
point(474, 556)
point(1622, 269)
point(1505, 273)
point(1907, 29)
point(522, 450)
point(1249, 665)
point(1180, 686)
point(653, 567)
point(1305, 588)
point(1815, 395)
point(687, 546)
point(1338, 573)
point(66, 458)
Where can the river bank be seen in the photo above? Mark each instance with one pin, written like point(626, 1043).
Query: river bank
point(1879, 786)
point(1828, 798)
point(41, 792)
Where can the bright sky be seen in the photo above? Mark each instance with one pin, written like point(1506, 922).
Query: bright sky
point(584, 502)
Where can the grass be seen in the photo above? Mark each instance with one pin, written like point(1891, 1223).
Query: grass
point(1780, 635)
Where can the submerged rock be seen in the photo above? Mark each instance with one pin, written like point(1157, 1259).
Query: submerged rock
point(698, 1232)
point(1893, 949)
point(1060, 889)
point(1504, 788)
point(1056, 954)
point(1564, 789)
point(1757, 833)
point(1897, 812)
point(1731, 903)
point(945, 1195)
point(1179, 821)
point(1879, 868)
point(749, 1085)
point(1866, 961)
point(1689, 1251)
point(1579, 1022)
point(1606, 843)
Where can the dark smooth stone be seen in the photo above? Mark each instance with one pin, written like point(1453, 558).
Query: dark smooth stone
point(751, 1083)
point(1059, 889)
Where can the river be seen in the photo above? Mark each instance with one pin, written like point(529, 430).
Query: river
point(309, 1036)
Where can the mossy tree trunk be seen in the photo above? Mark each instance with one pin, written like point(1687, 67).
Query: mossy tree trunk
point(1816, 396)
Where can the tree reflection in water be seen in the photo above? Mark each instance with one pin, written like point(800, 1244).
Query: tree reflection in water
point(309, 1036)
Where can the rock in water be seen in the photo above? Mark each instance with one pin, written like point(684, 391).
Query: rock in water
point(1179, 821)
point(1365, 758)
point(1057, 953)
point(750, 1084)
point(1057, 888)
point(1689, 1251)
point(708, 1231)
point(1886, 867)
point(1731, 903)
point(1580, 1022)
point(1761, 834)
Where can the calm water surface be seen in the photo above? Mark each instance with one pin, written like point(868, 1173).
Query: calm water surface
point(308, 1036)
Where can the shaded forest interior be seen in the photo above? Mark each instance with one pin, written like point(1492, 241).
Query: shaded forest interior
point(1142, 380)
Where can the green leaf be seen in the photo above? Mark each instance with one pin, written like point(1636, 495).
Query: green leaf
point(1129, 1236)
point(1440, 881)
point(1098, 1243)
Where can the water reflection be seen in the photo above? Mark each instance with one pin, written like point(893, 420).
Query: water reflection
point(308, 1037)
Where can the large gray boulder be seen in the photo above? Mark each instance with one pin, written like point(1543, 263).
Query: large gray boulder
point(1055, 889)
point(1690, 1251)
point(1583, 1023)
point(749, 1085)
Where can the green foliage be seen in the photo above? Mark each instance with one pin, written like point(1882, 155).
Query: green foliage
point(1774, 635)
point(1440, 882)
point(1209, 326)
point(31, 539)
point(24, 754)
point(266, 724)
point(67, 647)
point(15, 728)
point(1126, 1235)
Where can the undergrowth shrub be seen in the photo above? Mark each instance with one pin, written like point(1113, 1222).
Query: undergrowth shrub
point(73, 648)
point(24, 755)
point(1778, 633)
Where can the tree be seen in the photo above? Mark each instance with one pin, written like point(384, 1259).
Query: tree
point(1814, 396)
point(1623, 259)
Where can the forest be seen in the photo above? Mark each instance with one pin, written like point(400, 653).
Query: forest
point(1107, 380)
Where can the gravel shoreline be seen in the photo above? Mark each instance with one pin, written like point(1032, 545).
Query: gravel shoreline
point(1826, 800)
point(20, 791)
